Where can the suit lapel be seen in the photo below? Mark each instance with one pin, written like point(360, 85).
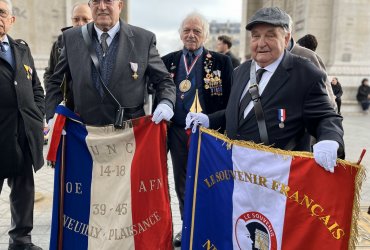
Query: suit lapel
point(90, 27)
point(242, 82)
point(124, 55)
point(17, 54)
point(277, 80)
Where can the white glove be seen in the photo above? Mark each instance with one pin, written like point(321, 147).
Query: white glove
point(162, 112)
point(325, 153)
point(195, 119)
point(51, 124)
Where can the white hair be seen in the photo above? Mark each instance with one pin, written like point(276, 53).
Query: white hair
point(10, 5)
point(201, 18)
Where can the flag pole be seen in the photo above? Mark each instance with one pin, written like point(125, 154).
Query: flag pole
point(63, 86)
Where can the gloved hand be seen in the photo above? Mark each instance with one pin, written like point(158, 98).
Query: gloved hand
point(325, 153)
point(162, 112)
point(51, 124)
point(195, 119)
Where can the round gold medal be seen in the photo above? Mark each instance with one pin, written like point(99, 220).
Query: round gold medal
point(185, 85)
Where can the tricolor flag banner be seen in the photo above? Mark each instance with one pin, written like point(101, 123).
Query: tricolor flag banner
point(241, 195)
point(116, 189)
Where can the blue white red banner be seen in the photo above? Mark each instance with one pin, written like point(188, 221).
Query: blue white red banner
point(240, 195)
point(116, 188)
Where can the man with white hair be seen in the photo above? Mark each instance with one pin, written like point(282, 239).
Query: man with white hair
point(203, 82)
point(21, 138)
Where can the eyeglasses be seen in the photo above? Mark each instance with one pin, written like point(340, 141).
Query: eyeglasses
point(4, 13)
point(82, 19)
point(106, 2)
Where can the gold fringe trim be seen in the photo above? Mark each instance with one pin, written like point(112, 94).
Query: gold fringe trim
point(353, 239)
point(360, 175)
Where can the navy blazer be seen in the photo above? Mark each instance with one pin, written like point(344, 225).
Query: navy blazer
point(219, 62)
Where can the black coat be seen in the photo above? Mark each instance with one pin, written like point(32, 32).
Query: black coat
point(296, 86)
point(21, 111)
point(337, 90)
point(220, 62)
point(363, 93)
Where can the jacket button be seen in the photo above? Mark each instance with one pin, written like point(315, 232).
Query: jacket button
point(15, 83)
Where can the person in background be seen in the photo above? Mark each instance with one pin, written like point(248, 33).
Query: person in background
point(203, 82)
point(306, 106)
point(308, 41)
point(363, 95)
point(21, 125)
point(338, 92)
point(81, 15)
point(311, 55)
point(224, 45)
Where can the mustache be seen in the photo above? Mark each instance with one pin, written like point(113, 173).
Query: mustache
point(102, 13)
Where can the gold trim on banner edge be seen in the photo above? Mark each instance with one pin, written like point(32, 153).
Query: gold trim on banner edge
point(360, 176)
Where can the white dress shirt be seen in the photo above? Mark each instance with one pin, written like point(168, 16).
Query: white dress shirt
point(270, 69)
point(112, 32)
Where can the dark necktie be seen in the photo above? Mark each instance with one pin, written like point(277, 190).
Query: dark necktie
point(104, 44)
point(2, 47)
point(189, 58)
point(247, 97)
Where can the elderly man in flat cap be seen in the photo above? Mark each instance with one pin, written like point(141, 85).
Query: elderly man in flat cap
point(277, 95)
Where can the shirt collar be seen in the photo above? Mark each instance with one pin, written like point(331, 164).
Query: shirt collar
point(196, 52)
point(6, 43)
point(112, 32)
point(273, 66)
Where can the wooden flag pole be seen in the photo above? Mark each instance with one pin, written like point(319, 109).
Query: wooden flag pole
point(62, 176)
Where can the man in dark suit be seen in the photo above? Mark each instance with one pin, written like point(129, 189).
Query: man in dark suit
point(292, 96)
point(21, 125)
point(224, 45)
point(203, 82)
point(127, 56)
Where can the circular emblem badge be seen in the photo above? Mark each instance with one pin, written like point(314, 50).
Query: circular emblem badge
point(185, 85)
point(253, 231)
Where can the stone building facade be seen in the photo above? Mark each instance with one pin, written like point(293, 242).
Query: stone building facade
point(231, 29)
point(341, 28)
point(38, 22)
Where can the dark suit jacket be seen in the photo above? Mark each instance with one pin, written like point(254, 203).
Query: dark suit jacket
point(296, 86)
point(219, 62)
point(135, 45)
point(21, 124)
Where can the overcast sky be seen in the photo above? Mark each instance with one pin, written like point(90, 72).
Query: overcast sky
point(163, 17)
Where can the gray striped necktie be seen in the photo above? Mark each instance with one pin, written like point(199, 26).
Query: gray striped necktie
point(104, 44)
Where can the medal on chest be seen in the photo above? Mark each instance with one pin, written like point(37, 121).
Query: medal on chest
point(281, 117)
point(185, 84)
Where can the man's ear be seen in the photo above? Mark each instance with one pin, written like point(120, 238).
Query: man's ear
point(287, 39)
